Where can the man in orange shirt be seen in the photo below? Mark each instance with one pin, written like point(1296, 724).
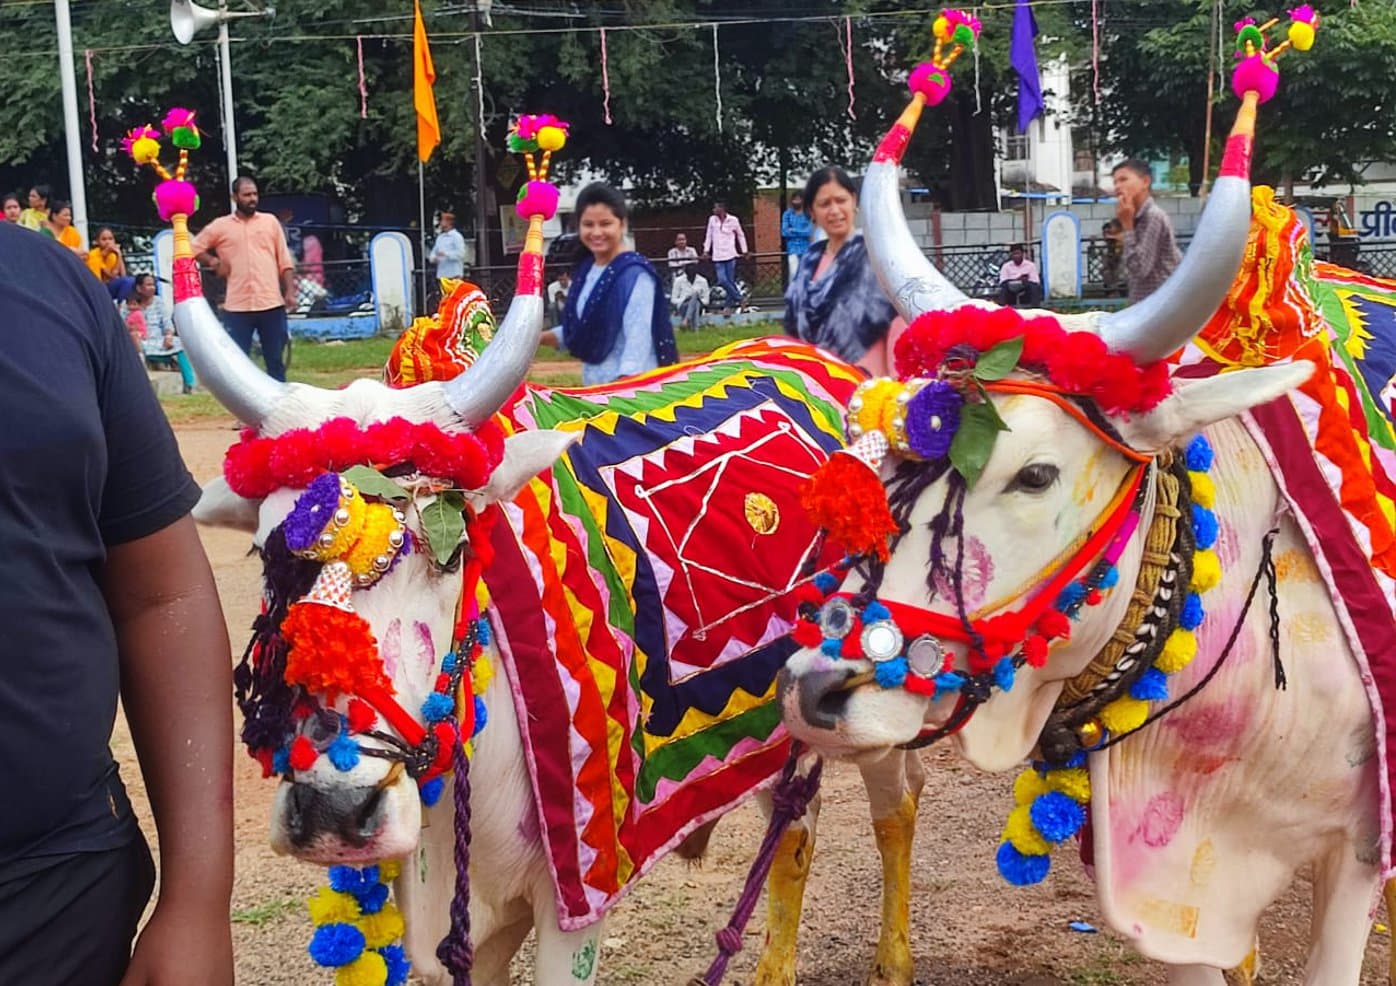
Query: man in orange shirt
point(248, 249)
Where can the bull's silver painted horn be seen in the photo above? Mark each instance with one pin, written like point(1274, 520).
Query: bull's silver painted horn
point(910, 280)
point(1169, 318)
point(482, 389)
point(228, 373)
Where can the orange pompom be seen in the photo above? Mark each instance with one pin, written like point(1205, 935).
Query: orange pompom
point(332, 651)
point(846, 498)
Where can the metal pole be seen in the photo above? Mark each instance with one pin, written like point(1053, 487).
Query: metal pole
point(230, 138)
point(68, 78)
point(422, 212)
point(482, 236)
point(1211, 91)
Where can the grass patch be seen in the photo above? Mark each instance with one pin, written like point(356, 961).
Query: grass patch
point(183, 409)
point(261, 914)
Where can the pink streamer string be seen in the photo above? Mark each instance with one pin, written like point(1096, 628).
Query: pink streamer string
point(363, 88)
point(848, 62)
point(605, 80)
point(1095, 49)
point(91, 100)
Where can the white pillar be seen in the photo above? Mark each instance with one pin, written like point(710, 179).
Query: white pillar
point(68, 79)
point(230, 138)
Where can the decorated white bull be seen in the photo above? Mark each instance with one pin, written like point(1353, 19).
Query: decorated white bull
point(629, 558)
point(1171, 593)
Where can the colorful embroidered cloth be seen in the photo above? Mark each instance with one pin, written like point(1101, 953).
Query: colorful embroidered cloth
point(642, 591)
point(1332, 443)
point(444, 345)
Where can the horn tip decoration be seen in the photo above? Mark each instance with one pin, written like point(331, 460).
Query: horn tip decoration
point(1257, 72)
point(930, 81)
point(536, 134)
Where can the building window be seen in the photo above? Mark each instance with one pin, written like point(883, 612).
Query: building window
point(1015, 147)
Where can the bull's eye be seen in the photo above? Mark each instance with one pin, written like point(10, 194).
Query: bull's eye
point(1036, 477)
point(836, 619)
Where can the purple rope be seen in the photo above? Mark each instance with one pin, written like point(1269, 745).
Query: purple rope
point(790, 797)
point(455, 951)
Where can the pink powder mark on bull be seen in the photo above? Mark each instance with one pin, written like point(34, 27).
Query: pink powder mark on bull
point(1212, 724)
point(1163, 816)
point(1228, 546)
point(426, 650)
point(390, 647)
point(978, 573)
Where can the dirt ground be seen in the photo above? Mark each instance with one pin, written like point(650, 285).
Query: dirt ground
point(968, 928)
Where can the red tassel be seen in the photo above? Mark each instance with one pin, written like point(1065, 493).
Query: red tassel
point(445, 744)
point(846, 498)
point(332, 652)
point(361, 716)
point(1054, 625)
point(302, 754)
point(807, 634)
point(1093, 597)
point(1035, 651)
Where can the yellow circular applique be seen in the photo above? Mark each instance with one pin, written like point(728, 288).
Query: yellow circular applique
point(761, 513)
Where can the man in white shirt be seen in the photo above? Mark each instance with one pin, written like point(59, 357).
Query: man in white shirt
point(1019, 282)
point(681, 255)
point(448, 253)
point(690, 296)
point(556, 296)
point(725, 242)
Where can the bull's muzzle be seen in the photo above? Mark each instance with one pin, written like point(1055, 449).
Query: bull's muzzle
point(820, 695)
point(349, 815)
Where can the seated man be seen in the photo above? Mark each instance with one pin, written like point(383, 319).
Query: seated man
point(690, 296)
point(1019, 283)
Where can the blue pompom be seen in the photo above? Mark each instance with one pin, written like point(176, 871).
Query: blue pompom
point(335, 945)
point(438, 707)
point(371, 899)
point(1191, 615)
point(483, 632)
point(448, 663)
point(1204, 526)
point(281, 761)
point(891, 674)
point(949, 681)
point(1078, 759)
point(1072, 596)
point(482, 715)
point(875, 612)
point(398, 966)
point(832, 646)
point(826, 582)
point(1111, 578)
point(1199, 455)
point(1056, 816)
point(343, 753)
point(430, 791)
point(1152, 686)
point(1005, 674)
point(345, 879)
point(1020, 870)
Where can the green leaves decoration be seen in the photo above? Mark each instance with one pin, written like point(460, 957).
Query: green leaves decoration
point(999, 361)
point(443, 523)
point(974, 440)
point(371, 482)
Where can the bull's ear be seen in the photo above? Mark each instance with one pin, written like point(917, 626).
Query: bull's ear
point(1195, 404)
point(525, 455)
point(221, 507)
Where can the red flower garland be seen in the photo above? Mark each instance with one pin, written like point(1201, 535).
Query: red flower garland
point(1077, 362)
point(256, 467)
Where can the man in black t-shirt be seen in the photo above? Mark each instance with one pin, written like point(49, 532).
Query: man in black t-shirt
point(104, 587)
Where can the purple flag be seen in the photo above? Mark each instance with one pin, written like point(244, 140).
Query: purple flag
point(1023, 57)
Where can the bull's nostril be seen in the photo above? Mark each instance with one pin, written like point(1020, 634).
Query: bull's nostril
point(366, 819)
point(832, 704)
point(822, 696)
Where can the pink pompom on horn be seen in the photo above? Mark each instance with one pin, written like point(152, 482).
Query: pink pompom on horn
point(177, 117)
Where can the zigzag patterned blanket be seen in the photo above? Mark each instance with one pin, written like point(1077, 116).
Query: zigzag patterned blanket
point(1332, 443)
point(642, 590)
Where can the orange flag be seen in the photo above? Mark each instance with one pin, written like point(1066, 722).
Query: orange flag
point(423, 78)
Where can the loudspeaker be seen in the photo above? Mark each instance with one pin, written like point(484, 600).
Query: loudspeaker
point(188, 19)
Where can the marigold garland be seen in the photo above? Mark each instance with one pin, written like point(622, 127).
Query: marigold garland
point(256, 467)
point(1041, 819)
point(357, 927)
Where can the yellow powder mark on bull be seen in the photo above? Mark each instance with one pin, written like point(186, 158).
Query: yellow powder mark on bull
point(1309, 628)
point(1170, 916)
point(1204, 863)
point(785, 895)
point(1294, 565)
point(893, 962)
point(1083, 491)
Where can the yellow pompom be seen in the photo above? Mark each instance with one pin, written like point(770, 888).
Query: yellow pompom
point(1020, 831)
point(1124, 715)
point(1206, 570)
point(332, 907)
point(389, 869)
point(483, 674)
point(941, 28)
point(1075, 783)
point(1027, 786)
point(382, 928)
point(879, 404)
point(1178, 651)
point(145, 150)
point(551, 138)
point(1301, 35)
point(368, 969)
point(1204, 491)
point(372, 544)
point(344, 537)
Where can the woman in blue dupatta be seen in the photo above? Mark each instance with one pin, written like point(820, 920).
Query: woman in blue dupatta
point(834, 300)
point(616, 317)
